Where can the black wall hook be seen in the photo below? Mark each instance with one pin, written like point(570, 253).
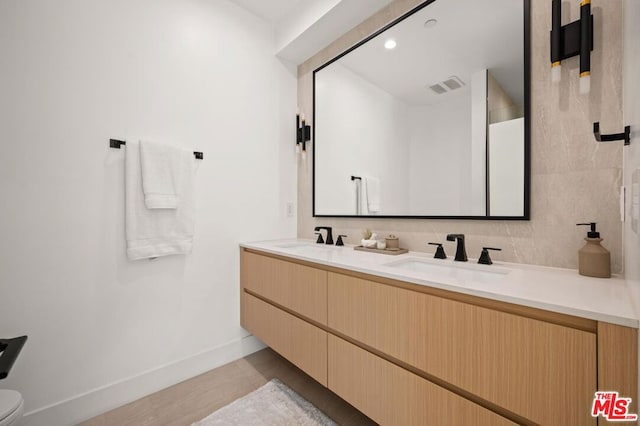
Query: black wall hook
point(117, 144)
point(626, 136)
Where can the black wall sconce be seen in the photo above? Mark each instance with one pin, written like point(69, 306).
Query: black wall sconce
point(570, 40)
point(303, 135)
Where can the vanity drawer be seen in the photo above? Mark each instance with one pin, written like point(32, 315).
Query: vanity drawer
point(538, 370)
point(297, 287)
point(298, 341)
point(391, 395)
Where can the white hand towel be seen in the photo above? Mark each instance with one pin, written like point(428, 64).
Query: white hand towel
point(372, 185)
point(158, 232)
point(161, 168)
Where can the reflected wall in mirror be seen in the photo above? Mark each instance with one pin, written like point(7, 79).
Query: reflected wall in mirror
point(435, 127)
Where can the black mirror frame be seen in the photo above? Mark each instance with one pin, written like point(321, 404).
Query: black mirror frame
point(527, 124)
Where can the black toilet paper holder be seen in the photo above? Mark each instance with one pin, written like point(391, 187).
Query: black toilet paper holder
point(9, 351)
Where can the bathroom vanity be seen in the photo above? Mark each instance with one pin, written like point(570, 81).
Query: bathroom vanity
point(409, 339)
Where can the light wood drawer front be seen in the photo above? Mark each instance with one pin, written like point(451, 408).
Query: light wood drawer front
point(538, 370)
point(299, 288)
point(618, 364)
point(298, 341)
point(391, 395)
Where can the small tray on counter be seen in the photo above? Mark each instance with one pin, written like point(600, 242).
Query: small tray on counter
point(392, 252)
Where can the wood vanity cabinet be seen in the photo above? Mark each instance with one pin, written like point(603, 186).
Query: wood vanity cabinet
point(407, 354)
point(524, 365)
point(391, 395)
point(297, 287)
point(300, 342)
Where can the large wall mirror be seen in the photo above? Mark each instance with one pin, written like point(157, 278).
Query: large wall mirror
point(428, 118)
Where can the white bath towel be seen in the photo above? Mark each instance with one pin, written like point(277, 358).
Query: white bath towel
point(158, 232)
point(372, 191)
point(161, 168)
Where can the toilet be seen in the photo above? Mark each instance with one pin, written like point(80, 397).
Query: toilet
point(11, 407)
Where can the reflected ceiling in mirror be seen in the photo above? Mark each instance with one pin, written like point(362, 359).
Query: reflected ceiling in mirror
point(428, 118)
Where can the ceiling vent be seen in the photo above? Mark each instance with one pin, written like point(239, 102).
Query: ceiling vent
point(452, 83)
point(438, 89)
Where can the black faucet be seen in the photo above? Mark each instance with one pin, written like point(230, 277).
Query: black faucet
point(329, 239)
point(461, 252)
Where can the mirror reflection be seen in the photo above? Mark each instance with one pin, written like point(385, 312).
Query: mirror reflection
point(426, 119)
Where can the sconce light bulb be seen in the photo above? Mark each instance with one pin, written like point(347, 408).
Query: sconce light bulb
point(297, 148)
point(585, 84)
point(304, 154)
point(556, 73)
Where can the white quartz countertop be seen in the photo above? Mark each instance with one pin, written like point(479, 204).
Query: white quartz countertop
point(553, 289)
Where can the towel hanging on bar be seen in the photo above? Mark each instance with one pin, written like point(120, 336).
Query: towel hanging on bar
point(116, 143)
point(155, 232)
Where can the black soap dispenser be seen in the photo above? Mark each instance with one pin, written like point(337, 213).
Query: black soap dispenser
point(593, 259)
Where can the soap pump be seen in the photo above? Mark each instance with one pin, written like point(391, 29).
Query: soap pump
point(593, 259)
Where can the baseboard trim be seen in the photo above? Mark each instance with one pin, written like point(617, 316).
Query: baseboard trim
point(105, 398)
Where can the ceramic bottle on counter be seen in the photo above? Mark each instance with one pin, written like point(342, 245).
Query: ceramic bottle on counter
point(593, 259)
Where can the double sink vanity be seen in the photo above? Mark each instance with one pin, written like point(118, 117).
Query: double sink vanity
point(438, 128)
point(410, 339)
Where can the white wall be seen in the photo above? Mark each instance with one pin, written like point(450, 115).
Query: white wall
point(196, 73)
point(506, 168)
point(440, 131)
point(632, 152)
point(361, 131)
point(299, 18)
point(479, 143)
point(310, 25)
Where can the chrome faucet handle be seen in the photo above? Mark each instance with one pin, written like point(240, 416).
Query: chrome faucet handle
point(339, 241)
point(320, 240)
point(440, 254)
point(485, 259)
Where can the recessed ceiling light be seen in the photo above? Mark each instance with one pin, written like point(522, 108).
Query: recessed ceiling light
point(390, 44)
point(431, 23)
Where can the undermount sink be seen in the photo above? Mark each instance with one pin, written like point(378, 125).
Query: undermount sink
point(435, 268)
point(305, 247)
point(294, 245)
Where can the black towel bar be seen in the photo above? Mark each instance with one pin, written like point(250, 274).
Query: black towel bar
point(116, 143)
point(9, 351)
